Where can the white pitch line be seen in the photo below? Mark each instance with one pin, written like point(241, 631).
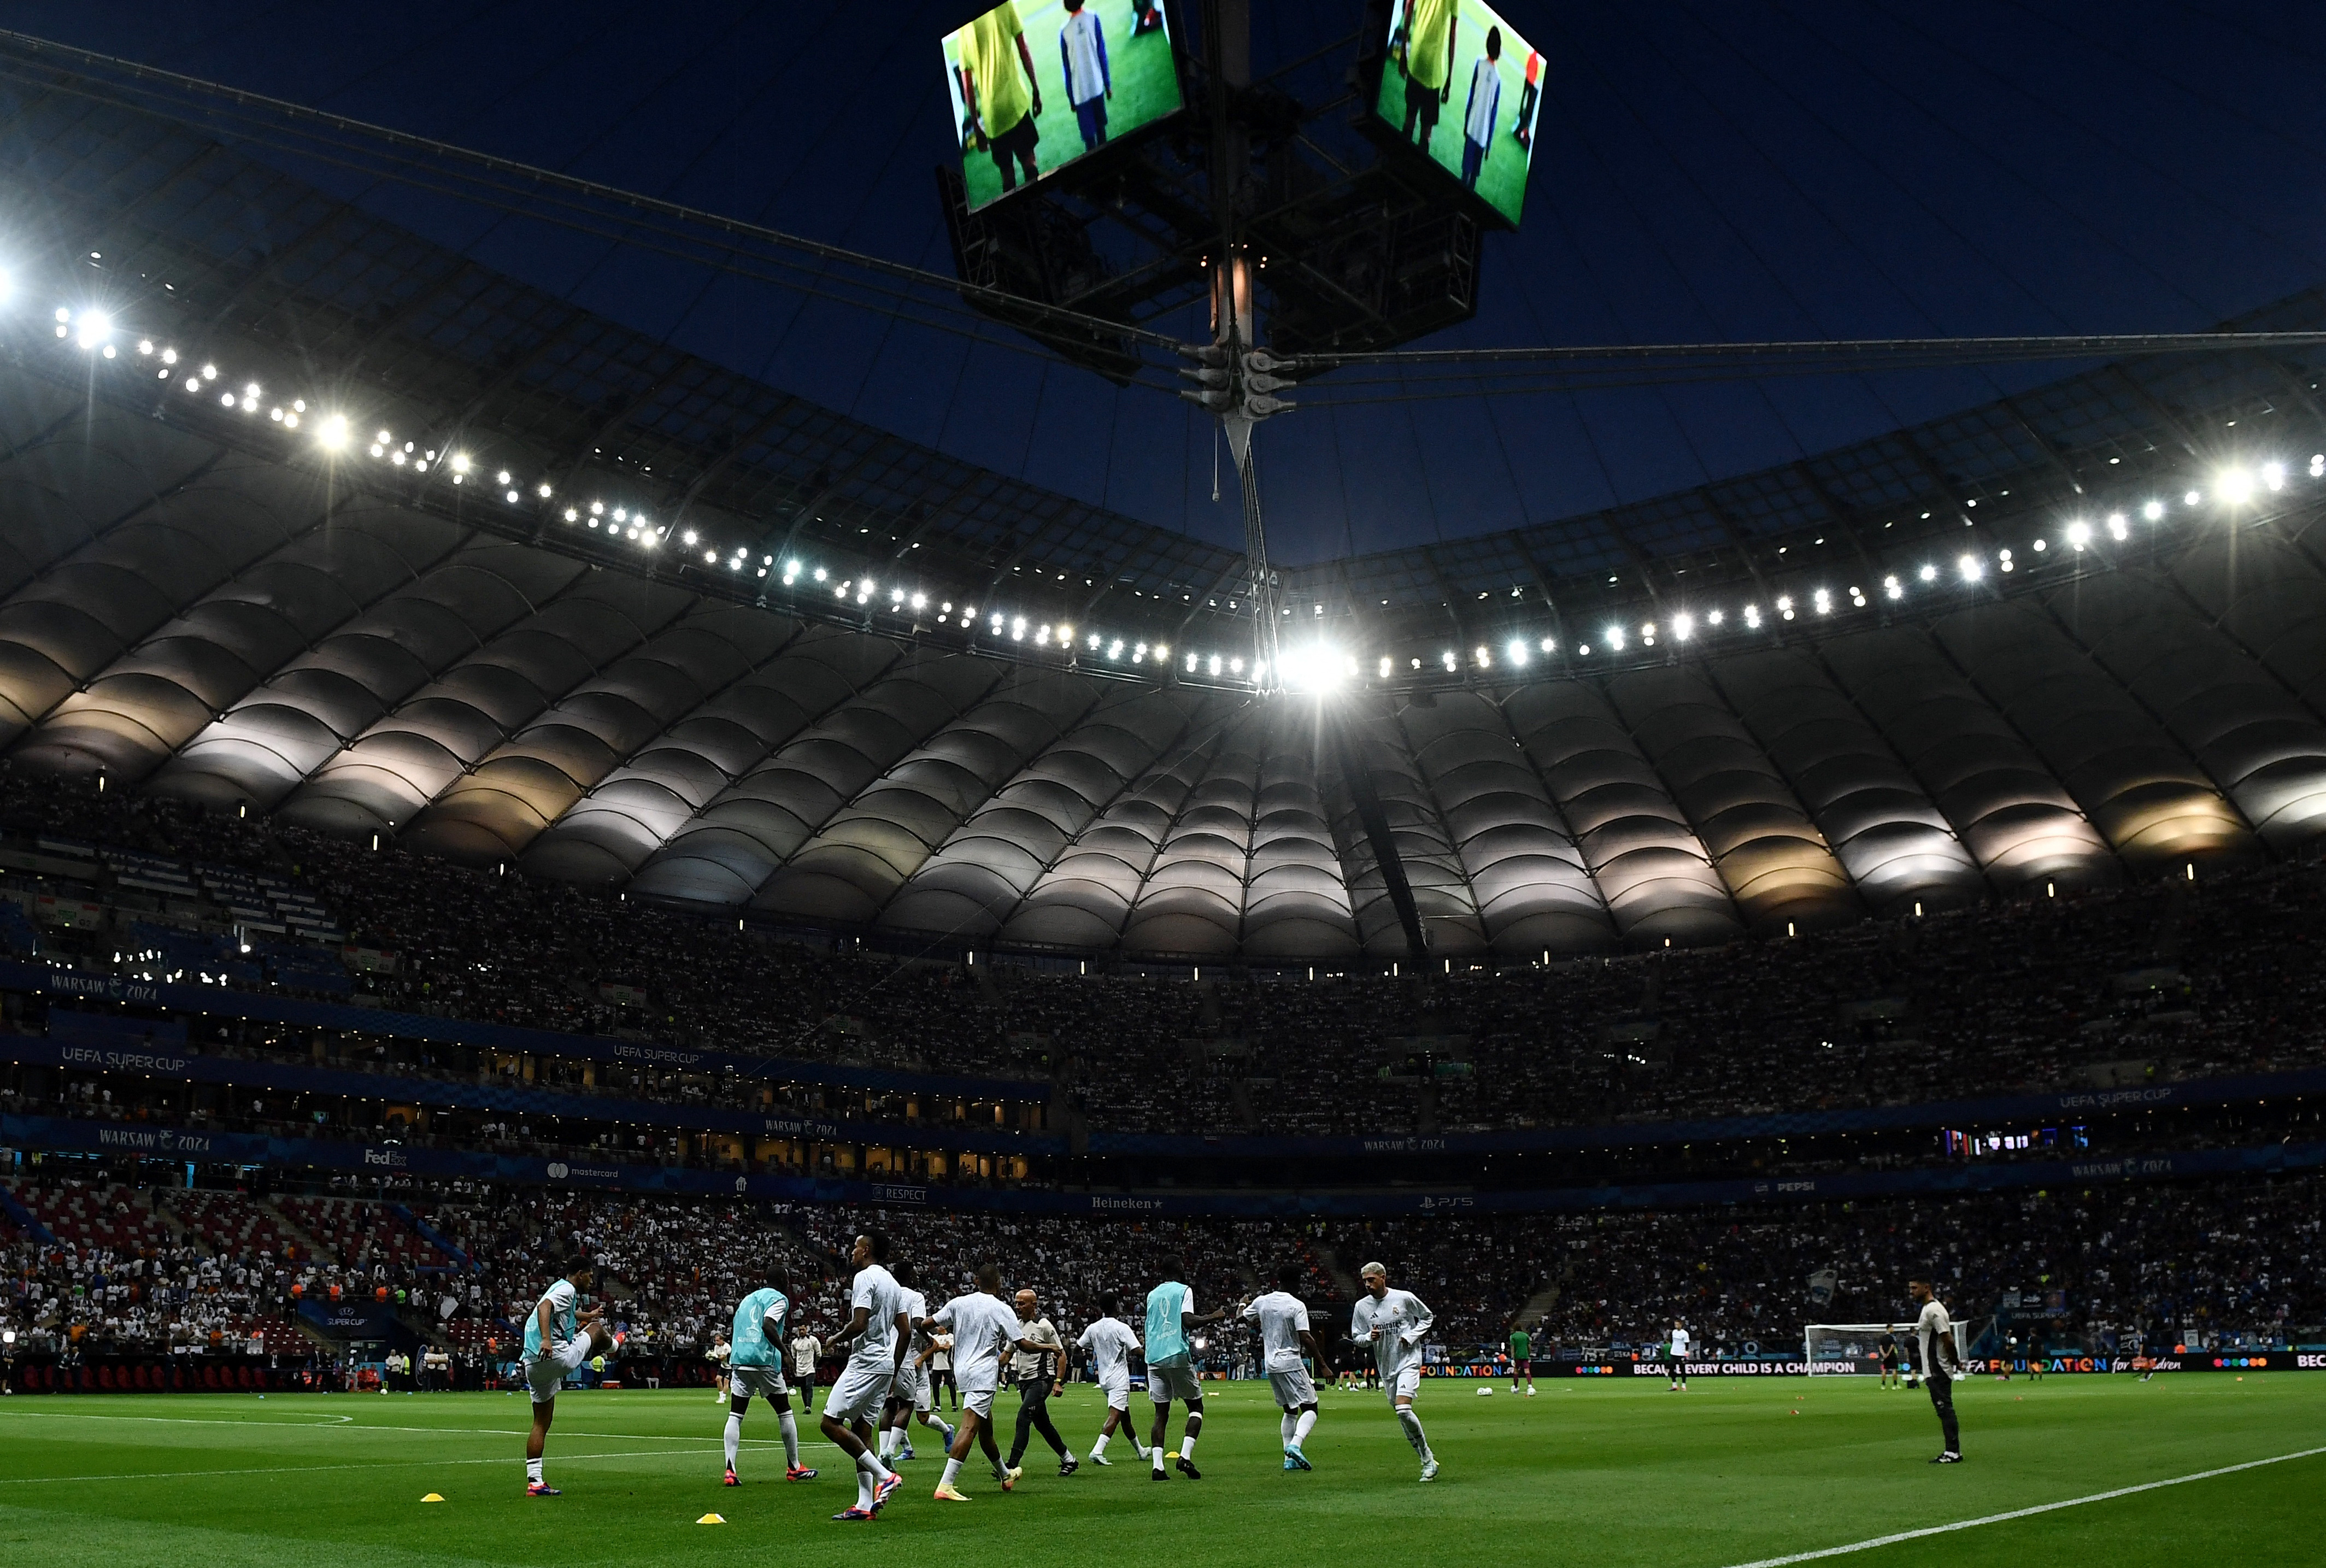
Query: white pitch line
point(354, 1424)
point(305, 1468)
point(2226, 1470)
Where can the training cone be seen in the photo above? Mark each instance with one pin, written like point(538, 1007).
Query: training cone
point(711, 1519)
point(433, 1497)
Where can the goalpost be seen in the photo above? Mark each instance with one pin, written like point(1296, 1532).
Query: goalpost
point(1848, 1350)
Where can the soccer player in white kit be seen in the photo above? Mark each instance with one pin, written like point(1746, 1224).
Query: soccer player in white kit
point(1935, 1339)
point(1676, 1363)
point(1283, 1319)
point(1394, 1322)
point(910, 1396)
point(981, 1324)
point(558, 1338)
point(879, 1331)
point(1111, 1344)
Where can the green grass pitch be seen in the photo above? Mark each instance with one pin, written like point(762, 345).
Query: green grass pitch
point(1502, 182)
point(1146, 86)
point(1587, 1473)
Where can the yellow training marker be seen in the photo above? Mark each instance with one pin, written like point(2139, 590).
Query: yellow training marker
point(711, 1519)
point(433, 1497)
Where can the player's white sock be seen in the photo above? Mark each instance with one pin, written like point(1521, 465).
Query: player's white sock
point(863, 1491)
point(1303, 1427)
point(1099, 1447)
point(1284, 1426)
point(1406, 1419)
point(1187, 1448)
point(1156, 1454)
point(888, 1441)
point(869, 1463)
point(734, 1437)
point(953, 1471)
point(533, 1471)
point(789, 1422)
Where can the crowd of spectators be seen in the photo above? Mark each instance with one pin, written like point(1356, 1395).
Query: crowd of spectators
point(2217, 1264)
point(2144, 983)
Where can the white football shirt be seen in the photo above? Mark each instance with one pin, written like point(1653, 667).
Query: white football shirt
point(1109, 1342)
point(1281, 1317)
point(877, 1289)
point(1402, 1321)
point(981, 1325)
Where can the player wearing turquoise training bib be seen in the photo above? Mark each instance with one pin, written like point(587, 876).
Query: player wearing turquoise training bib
point(1172, 1318)
point(558, 1338)
point(755, 1366)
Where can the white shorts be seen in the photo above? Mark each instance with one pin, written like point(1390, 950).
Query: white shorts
point(979, 1402)
point(545, 1374)
point(1169, 1380)
point(1293, 1389)
point(859, 1392)
point(755, 1382)
point(911, 1385)
point(1402, 1385)
point(1117, 1390)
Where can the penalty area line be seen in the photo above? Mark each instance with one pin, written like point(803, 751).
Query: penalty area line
point(2226, 1470)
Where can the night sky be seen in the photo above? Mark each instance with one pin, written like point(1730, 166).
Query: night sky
point(1726, 169)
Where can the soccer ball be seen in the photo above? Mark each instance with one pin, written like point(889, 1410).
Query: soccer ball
point(1487, 1392)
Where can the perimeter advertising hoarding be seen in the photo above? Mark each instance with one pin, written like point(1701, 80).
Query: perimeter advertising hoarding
point(1461, 86)
point(1036, 84)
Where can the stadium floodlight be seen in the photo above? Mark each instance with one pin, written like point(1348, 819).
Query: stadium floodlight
point(1929, 574)
point(2272, 475)
point(1313, 667)
point(333, 433)
point(2194, 497)
point(1716, 618)
point(1823, 599)
point(1753, 616)
point(1066, 633)
point(1215, 664)
point(1451, 661)
point(1785, 605)
point(1517, 651)
point(1615, 635)
point(92, 328)
point(921, 601)
point(1891, 588)
point(1551, 645)
point(209, 372)
point(2080, 534)
point(1683, 626)
point(2235, 486)
point(1384, 666)
point(2318, 465)
point(2118, 527)
point(503, 478)
point(1971, 568)
point(460, 465)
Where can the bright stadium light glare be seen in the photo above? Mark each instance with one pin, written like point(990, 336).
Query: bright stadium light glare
point(2194, 497)
point(1551, 645)
point(2318, 465)
point(1716, 618)
point(2235, 486)
point(460, 465)
point(1315, 667)
point(1384, 666)
point(1753, 616)
point(1683, 626)
point(2153, 511)
point(1929, 574)
point(1517, 651)
point(92, 328)
point(333, 432)
point(2272, 475)
point(1971, 568)
point(1893, 589)
point(2118, 527)
point(2080, 534)
point(1615, 635)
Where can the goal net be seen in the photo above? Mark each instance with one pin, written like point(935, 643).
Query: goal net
point(1842, 1349)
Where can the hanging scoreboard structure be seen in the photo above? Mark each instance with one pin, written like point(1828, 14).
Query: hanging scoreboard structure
point(1112, 155)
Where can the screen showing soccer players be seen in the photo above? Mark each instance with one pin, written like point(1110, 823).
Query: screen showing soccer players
point(1036, 84)
point(1465, 88)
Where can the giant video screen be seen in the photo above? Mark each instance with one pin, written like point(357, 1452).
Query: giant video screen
point(1462, 86)
point(1036, 84)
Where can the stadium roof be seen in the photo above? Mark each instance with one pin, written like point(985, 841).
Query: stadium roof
point(1743, 706)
